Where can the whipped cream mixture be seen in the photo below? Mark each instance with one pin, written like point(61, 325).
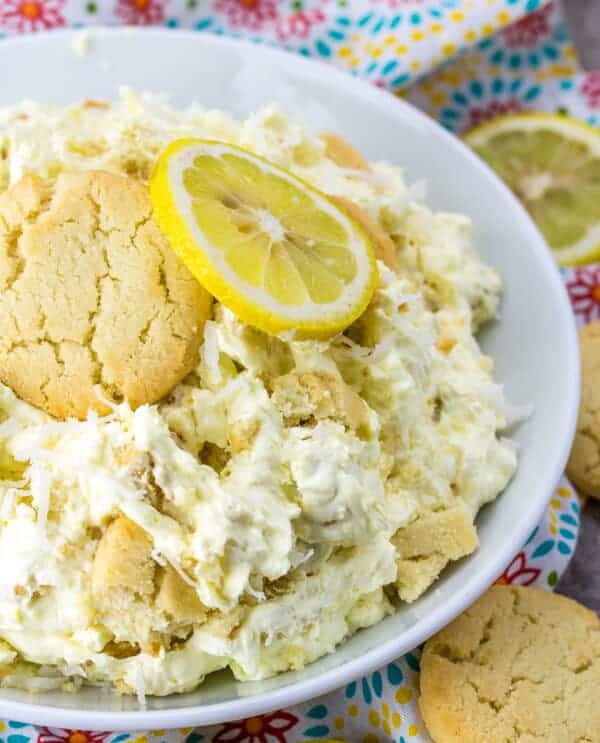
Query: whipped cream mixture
point(272, 505)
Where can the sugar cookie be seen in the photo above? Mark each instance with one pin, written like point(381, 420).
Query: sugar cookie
point(583, 467)
point(521, 664)
point(92, 296)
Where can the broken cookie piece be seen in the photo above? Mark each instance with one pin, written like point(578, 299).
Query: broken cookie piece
point(319, 395)
point(123, 568)
point(343, 153)
point(428, 544)
point(178, 599)
point(383, 245)
point(138, 598)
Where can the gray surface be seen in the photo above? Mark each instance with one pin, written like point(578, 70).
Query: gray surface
point(583, 17)
point(582, 579)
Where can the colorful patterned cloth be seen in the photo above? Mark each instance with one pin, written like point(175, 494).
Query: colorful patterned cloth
point(496, 56)
point(389, 42)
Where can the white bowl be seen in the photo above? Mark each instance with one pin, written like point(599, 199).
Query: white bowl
point(534, 343)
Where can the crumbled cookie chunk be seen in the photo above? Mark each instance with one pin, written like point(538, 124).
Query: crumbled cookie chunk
point(384, 246)
point(318, 395)
point(178, 599)
point(343, 153)
point(428, 544)
point(123, 566)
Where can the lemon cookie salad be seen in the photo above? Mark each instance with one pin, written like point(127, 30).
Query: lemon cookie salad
point(243, 412)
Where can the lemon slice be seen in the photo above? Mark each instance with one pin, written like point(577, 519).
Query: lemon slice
point(274, 250)
point(552, 163)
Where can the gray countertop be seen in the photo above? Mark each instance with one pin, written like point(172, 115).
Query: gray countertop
point(581, 581)
point(583, 17)
point(582, 578)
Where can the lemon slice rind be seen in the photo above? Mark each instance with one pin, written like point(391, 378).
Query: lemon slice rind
point(173, 208)
point(586, 249)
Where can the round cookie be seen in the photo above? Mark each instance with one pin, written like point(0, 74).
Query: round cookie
point(583, 467)
point(520, 665)
point(92, 298)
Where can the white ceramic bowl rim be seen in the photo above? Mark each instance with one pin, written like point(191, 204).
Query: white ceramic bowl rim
point(290, 693)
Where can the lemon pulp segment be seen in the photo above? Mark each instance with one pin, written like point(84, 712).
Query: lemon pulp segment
point(273, 249)
point(552, 163)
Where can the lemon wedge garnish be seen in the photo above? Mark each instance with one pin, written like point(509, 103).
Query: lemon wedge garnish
point(277, 252)
point(552, 164)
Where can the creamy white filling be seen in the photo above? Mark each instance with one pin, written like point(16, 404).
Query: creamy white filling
point(289, 545)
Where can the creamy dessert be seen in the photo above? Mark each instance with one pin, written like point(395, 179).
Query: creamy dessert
point(288, 490)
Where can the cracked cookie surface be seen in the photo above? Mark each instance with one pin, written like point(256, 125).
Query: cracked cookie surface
point(583, 467)
point(520, 665)
point(91, 295)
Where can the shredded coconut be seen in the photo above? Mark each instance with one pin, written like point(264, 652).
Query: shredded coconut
point(230, 388)
point(8, 502)
point(362, 353)
point(386, 276)
point(516, 414)
point(210, 350)
point(287, 336)
point(296, 561)
point(7, 594)
point(74, 670)
point(16, 484)
point(40, 490)
point(368, 175)
point(9, 428)
point(260, 595)
point(510, 444)
point(140, 686)
point(158, 558)
point(92, 415)
point(86, 473)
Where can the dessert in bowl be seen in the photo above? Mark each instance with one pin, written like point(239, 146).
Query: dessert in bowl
point(192, 485)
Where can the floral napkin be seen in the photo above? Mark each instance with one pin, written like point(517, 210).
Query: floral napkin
point(463, 62)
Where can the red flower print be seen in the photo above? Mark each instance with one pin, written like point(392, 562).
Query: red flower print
point(478, 115)
point(264, 729)
point(298, 24)
point(141, 12)
point(584, 292)
point(250, 14)
point(56, 735)
point(530, 29)
point(517, 572)
point(591, 88)
point(31, 15)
